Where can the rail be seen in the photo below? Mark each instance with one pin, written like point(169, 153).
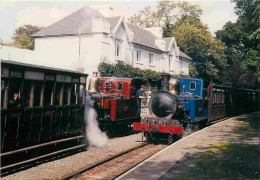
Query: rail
point(102, 162)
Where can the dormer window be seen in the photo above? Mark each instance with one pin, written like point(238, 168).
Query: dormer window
point(118, 47)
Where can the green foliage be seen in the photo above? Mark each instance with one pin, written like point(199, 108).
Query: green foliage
point(180, 75)
point(182, 21)
point(225, 161)
point(242, 41)
point(22, 36)
point(239, 76)
point(166, 14)
point(207, 53)
point(192, 70)
point(24, 41)
point(126, 70)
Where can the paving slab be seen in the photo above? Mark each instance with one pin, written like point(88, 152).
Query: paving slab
point(230, 130)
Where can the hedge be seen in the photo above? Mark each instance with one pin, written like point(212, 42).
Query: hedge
point(125, 70)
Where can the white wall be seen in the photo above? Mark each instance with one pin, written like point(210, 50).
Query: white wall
point(120, 34)
point(60, 52)
point(144, 63)
point(184, 67)
point(84, 53)
point(19, 55)
point(92, 52)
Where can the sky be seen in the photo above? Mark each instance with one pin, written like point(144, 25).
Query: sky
point(44, 13)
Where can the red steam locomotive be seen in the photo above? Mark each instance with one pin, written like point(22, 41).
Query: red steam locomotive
point(114, 101)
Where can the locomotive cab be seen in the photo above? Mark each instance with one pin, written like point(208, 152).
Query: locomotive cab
point(192, 98)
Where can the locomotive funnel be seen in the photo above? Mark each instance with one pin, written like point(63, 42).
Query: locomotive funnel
point(162, 104)
point(165, 81)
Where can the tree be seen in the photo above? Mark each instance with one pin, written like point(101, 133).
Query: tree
point(167, 13)
point(22, 36)
point(182, 21)
point(242, 41)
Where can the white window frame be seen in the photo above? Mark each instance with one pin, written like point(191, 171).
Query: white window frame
point(151, 58)
point(138, 56)
point(118, 48)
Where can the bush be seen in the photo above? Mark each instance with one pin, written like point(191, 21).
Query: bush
point(126, 70)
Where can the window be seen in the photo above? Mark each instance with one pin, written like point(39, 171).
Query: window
point(48, 94)
point(150, 58)
point(66, 94)
point(138, 56)
point(120, 86)
point(74, 93)
point(58, 94)
point(170, 59)
point(82, 93)
point(118, 43)
point(28, 93)
point(180, 65)
point(106, 84)
point(192, 85)
point(3, 93)
point(38, 93)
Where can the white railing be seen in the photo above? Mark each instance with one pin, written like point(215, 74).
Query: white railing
point(144, 111)
point(144, 107)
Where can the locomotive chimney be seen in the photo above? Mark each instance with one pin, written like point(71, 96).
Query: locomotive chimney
point(165, 81)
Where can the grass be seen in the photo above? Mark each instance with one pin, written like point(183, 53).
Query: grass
point(227, 161)
point(248, 127)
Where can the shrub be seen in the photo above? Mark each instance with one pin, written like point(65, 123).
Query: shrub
point(126, 70)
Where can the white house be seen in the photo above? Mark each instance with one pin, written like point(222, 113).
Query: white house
point(89, 36)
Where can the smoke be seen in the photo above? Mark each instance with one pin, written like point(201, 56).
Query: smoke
point(191, 128)
point(94, 135)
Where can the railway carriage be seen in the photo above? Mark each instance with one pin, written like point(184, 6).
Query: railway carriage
point(42, 112)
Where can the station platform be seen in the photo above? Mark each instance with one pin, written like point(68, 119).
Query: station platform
point(226, 150)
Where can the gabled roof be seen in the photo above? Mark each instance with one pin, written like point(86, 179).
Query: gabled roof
point(113, 22)
point(79, 22)
point(184, 55)
point(141, 36)
point(168, 42)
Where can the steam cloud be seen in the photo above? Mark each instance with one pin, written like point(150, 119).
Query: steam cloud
point(190, 129)
point(94, 135)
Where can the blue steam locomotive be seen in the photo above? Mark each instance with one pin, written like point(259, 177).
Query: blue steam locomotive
point(184, 101)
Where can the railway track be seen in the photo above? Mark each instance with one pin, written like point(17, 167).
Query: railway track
point(37, 160)
point(116, 165)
